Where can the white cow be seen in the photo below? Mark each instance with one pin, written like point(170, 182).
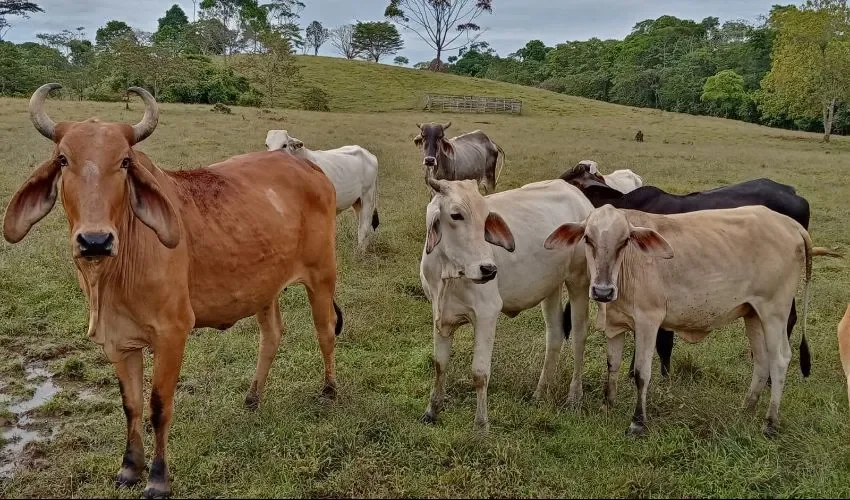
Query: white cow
point(354, 173)
point(623, 180)
point(484, 256)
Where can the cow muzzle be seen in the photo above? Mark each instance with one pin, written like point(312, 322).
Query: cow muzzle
point(488, 273)
point(429, 161)
point(91, 245)
point(603, 293)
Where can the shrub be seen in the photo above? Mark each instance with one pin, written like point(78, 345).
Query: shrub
point(315, 99)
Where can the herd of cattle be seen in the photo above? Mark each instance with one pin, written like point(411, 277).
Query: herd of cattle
point(228, 238)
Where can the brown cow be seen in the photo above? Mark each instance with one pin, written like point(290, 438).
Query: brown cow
point(159, 253)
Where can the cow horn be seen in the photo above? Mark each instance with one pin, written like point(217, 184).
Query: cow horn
point(447, 125)
point(436, 185)
point(145, 128)
point(39, 118)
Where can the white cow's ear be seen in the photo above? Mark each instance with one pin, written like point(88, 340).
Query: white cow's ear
point(651, 243)
point(497, 232)
point(297, 144)
point(434, 235)
point(565, 236)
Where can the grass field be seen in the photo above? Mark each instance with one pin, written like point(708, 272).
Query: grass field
point(370, 442)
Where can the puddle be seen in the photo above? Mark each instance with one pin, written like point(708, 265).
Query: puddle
point(22, 433)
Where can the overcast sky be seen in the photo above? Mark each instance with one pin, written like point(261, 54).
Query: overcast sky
point(512, 23)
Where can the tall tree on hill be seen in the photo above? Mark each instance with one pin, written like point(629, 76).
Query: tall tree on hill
point(810, 74)
point(440, 23)
point(342, 38)
point(172, 25)
point(283, 15)
point(15, 8)
point(275, 70)
point(239, 16)
point(317, 35)
point(377, 39)
point(112, 31)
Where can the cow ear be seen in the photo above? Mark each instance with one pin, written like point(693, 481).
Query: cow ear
point(447, 125)
point(651, 243)
point(33, 201)
point(151, 206)
point(497, 232)
point(564, 236)
point(434, 234)
point(418, 140)
point(296, 145)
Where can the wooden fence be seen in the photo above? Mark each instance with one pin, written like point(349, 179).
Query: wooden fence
point(472, 104)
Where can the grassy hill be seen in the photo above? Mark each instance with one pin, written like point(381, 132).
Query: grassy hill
point(370, 443)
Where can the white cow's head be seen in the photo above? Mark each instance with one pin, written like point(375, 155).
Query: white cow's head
point(606, 233)
point(280, 139)
point(461, 228)
point(592, 166)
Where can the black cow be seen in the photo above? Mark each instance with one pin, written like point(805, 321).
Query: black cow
point(773, 195)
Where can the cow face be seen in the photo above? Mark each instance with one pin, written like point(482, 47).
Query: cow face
point(462, 229)
point(102, 183)
point(606, 234)
point(432, 140)
point(280, 139)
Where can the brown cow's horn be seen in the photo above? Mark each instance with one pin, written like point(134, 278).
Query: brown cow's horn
point(39, 118)
point(447, 125)
point(145, 128)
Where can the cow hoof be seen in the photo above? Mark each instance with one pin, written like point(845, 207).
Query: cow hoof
point(329, 391)
point(126, 478)
point(157, 491)
point(252, 401)
point(770, 430)
point(636, 430)
point(428, 418)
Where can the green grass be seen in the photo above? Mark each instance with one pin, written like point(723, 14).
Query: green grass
point(369, 442)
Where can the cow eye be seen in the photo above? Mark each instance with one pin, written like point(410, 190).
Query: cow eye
point(125, 163)
point(63, 162)
point(457, 217)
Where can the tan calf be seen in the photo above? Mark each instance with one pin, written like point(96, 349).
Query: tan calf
point(844, 346)
point(159, 253)
point(693, 273)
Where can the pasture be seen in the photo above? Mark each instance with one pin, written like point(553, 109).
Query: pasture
point(369, 442)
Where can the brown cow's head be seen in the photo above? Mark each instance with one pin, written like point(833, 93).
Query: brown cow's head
point(432, 139)
point(101, 181)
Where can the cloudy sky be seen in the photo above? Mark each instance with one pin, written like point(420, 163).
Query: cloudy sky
point(512, 23)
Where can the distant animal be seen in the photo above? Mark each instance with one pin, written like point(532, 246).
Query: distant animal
point(484, 256)
point(468, 156)
point(844, 346)
point(694, 273)
point(639, 136)
point(624, 180)
point(158, 253)
point(354, 173)
point(778, 197)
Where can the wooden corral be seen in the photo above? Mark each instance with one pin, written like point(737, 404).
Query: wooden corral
point(472, 104)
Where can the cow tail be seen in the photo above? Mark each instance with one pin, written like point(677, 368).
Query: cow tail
point(825, 252)
point(805, 355)
point(339, 320)
point(504, 160)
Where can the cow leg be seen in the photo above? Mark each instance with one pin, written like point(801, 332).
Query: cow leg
point(320, 295)
point(442, 355)
point(615, 359)
point(485, 336)
point(130, 371)
point(168, 358)
point(645, 335)
point(761, 367)
point(552, 316)
point(779, 356)
point(580, 302)
point(271, 329)
point(664, 348)
point(367, 219)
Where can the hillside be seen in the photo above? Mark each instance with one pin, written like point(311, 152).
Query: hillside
point(361, 86)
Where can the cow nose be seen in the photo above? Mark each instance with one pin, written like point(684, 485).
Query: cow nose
point(488, 271)
point(95, 244)
point(602, 293)
point(430, 161)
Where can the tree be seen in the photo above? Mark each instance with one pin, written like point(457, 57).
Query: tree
point(113, 30)
point(283, 15)
point(239, 16)
point(275, 69)
point(401, 61)
point(15, 8)
point(810, 75)
point(207, 37)
point(377, 39)
point(440, 23)
point(317, 35)
point(342, 38)
point(725, 91)
point(534, 50)
point(172, 25)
